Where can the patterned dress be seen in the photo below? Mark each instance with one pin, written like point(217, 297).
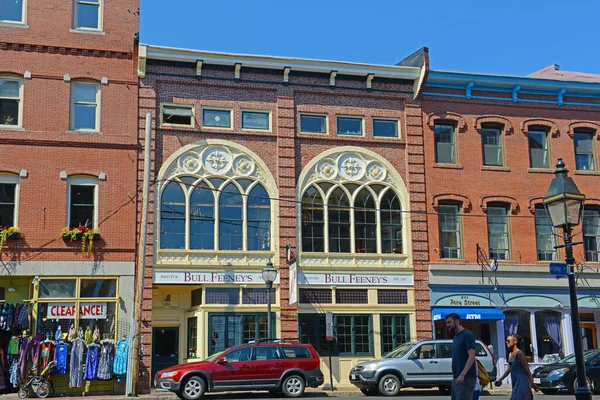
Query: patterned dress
point(106, 361)
point(120, 367)
point(91, 362)
point(76, 365)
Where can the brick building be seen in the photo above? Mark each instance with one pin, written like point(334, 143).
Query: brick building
point(68, 137)
point(491, 145)
point(253, 154)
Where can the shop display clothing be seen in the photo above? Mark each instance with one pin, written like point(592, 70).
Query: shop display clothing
point(120, 365)
point(76, 364)
point(88, 336)
point(91, 362)
point(45, 354)
point(106, 361)
point(14, 373)
point(23, 317)
point(13, 346)
point(61, 356)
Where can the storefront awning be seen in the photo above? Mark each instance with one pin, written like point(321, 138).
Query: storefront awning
point(468, 313)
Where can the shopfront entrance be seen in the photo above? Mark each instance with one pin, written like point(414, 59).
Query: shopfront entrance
point(165, 344)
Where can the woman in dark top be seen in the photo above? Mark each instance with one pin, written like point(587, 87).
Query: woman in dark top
point(518, 368)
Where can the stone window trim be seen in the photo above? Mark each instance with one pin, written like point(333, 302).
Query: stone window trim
point(513, 204)
point(534, 201)
point(531, 124)
point(495, 121)
point(448, 197)
point(437, 117)
point(11, 178)
point(74, 82)
point(68, 174)
point(586, 126)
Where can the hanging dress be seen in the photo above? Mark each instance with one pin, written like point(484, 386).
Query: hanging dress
point(14, 372)
point(88, 336)
point(61, 355)
point(106, 361)
point(120, 366)
point(76, 364)
point(91, 362)
point(45, 355)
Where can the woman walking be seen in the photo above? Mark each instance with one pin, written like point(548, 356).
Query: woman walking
point(518, 368)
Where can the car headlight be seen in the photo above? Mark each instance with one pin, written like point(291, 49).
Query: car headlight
point(558, 372)
point(167, 374)
point(371, 367)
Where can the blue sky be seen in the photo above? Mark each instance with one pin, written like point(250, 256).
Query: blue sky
point(492, 36)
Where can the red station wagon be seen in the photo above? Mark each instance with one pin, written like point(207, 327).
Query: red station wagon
point(278, 367)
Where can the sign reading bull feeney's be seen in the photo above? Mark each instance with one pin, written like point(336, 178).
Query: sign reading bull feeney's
point(309, 278)
point(195, 278)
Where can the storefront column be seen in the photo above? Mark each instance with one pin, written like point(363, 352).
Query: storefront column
point(567, 333)
point(501, 348)
point(533, 328)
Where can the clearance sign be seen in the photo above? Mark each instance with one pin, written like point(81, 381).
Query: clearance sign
point(67, 311)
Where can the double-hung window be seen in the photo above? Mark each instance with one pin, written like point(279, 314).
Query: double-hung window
point(544, 233)
point(85, 106)
point(8, 200)
point(12, 11)
point(87, 15)
point(497, 220)
point(444, 139)
point(450, 236)
point(584, 150)
point(591, 234)
point(491, 141)
point(10, 102)
point(538, 149)
point(83, 200)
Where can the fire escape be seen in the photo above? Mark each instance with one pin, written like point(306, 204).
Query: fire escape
point(487, 265)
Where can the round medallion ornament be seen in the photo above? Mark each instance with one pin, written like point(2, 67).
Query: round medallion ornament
point(190, 163)
point(351, 167)
point(217, 161)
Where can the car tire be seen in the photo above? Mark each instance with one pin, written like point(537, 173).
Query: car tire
point(293, 386)
point(193, 388)
point(548, 392)
point(445, 390)
point(369, 392)
point(389, 385)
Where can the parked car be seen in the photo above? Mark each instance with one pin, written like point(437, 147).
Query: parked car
point(423, 364)
point(561, 375)
point(277, 367)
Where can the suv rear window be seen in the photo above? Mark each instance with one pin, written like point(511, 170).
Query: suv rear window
point(296, 352)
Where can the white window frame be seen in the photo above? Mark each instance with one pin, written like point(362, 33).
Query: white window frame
point(300, 115)
point(269, 114)
point(73, 102)
point(82, 180)
point(22, 22)
point(100, 5)
point(396, 120)
point(362, 125)
point(178, 105)
point(13, 179)
point(19, 99)
point(204, 126)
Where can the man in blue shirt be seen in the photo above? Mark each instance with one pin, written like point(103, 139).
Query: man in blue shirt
point(464, 368)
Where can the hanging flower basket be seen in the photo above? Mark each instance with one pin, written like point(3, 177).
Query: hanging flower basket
point(85, 234)
point(8, 232)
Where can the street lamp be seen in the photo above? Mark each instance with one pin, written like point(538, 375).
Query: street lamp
point(564, 202)
point(269, 274)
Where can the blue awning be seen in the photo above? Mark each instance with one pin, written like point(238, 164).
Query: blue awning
point(469, 313)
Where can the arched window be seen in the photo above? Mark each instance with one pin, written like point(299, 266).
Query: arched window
point(259, 219)
point(339, 222)
point(312, 221)
point(172, 217)
point(391, 223)
point(519, 322)
point(365, 223)
point(549, 333)
point(202, 218)
point(231, 219)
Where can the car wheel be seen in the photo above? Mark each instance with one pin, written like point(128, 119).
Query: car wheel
point(589, 384)
point(369, 392)
point(193, 388)
point(389, 385)
point(548, 391)
point(445, 390)
point(293, 386)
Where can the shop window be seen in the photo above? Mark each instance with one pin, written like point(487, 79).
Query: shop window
point(339, 222)
point(196, 297)
point(349, 126)
point(57, 288)
point(256, 296)
point(354, 334)
point(310, 123)
point(352, 296)
point(519, 322)
point(538, 149)
point(255, 120)
point(216, 118)
point(98, 288)
point(259, 219)
point(228, 330)
point(312, 330)
point(82, 209)
point(88, 14)
point(544, 233)
point(444, 138)
point(584, 150)
point(365, 222)
point(549, 335)
point(497, 221)
point(202, 219)
point(10, 96)
point(491, 142)
point(192, 336)
point(86, 317)
point(172, 217)
point(391, 223)
point(178, 114)
point(394, 332)
point(222, 296)
point(85, 106)
point(315, 296)
point(450, 234)
point(392, 296)
point(11, 11)
point(7, 203)
point(591, 233)
point(312, 221)
point(385, 128)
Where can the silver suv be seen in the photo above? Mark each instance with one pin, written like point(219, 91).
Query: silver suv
point(423, 364)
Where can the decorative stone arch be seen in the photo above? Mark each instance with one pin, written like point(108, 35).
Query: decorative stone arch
point(587, 125)
point(458, 198)
point(591, 202)
point(534, 201)
point(447, 116)
point(493, 119)
point(527, 124)
point(485, 200)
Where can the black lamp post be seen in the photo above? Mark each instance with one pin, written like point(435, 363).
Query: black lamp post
point(269, 274)
point(564, 202)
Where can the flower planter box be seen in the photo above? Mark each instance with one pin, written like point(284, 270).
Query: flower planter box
point(79, 237)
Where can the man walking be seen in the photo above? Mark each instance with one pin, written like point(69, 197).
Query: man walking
point(464, 368)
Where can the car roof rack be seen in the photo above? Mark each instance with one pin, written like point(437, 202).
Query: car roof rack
point(276, 340)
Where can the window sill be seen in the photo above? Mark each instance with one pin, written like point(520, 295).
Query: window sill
point(495, 168)
point(11, 128)
point(85, 132)
point(90, 32)
point(10, 24)
point(586, 172)
point(540, 170)
point(447, 166)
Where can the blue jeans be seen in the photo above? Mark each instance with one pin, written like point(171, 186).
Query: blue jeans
point(463, 391)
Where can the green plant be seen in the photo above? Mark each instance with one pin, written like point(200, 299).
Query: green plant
point(7, 120)
point(6, 232)
point(83, 233)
